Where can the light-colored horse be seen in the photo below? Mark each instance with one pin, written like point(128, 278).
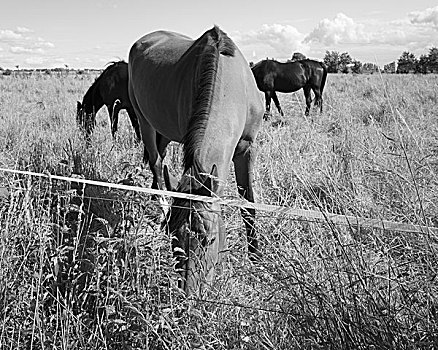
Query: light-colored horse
point(203, 94)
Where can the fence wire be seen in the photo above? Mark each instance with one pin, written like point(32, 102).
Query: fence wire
point(317, 215)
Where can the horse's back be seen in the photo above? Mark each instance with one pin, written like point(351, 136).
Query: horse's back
point(160, 46)
point(271, 75)
point(238, 96)
point(290, 77)
point(164, 69)
point(155, 81)
point(287, 77)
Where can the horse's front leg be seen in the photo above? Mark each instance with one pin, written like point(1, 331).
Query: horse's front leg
point(115, 118)
point(244, 158)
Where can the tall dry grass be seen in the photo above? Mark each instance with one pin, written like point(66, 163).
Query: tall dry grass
point(89, 268)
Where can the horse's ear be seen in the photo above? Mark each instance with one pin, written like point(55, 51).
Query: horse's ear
point(169, 180)
point(211, 183)
point(78, 105)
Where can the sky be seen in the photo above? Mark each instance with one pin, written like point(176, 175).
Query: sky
point(91, 33)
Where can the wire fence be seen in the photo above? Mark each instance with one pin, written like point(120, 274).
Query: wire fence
point(317, 216)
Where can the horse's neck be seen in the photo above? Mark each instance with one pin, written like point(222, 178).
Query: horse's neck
point(225, 122)
point(93, 100)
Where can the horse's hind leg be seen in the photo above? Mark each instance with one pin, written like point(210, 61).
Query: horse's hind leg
point(277, 103)
point(134, 121)
point(244, 158)
point(318, 98)
point(155, 160)
point(268, 104)
point(149, 137)
point(162, 143)
point(308, 97)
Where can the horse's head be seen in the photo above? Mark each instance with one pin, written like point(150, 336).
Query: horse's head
point(197, 229)
point(85, 119)
point(79, 113)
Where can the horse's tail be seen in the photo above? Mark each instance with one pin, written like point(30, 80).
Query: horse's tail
point(211, 45)
point(324, 75)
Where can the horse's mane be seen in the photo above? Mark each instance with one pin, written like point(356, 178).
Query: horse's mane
point(211, 44)
point(110, 65)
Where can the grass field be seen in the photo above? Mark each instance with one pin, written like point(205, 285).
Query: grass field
point(91, 269)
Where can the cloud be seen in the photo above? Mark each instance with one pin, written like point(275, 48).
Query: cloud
point(416, 32)
point(25, 50)
point(44, 62)
point(278, 40)
point(341, 29)
point(41, 43)
point(428, 16)
point(22, 41)
point(36, 61)
point(8, 36)
point(404, 34)
point(23, 30)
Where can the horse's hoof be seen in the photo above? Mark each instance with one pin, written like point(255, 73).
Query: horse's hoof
point(278, 123)
point(266, 116)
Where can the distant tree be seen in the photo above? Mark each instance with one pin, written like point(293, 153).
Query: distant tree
point(337, 62)
point(356, 67)
point(345, 61)
point(423, 64)
point(370, 68)
point(406, 63)
point(433, 60)
point(331, 60)
point(389, 68)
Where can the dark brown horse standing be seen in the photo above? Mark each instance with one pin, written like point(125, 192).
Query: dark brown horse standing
point(110, 89)
point(200, 93)
point(272, 76)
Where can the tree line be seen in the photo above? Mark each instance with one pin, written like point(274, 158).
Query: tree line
point(337, 63)
point(407, 63)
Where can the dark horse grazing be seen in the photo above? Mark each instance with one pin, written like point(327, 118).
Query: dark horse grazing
point(200, 93)
point(110, 89)
point(272, 76)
